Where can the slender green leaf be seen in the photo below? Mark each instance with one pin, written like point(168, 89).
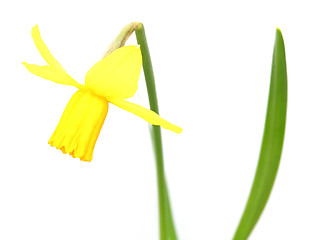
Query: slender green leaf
point(272, 143)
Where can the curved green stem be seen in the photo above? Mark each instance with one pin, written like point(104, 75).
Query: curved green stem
point(167, 230)
point(272, 143)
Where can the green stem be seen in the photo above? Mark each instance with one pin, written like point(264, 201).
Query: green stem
point(167, 230)
point(272, 143)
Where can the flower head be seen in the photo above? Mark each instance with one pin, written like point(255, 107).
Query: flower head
point(113, 79)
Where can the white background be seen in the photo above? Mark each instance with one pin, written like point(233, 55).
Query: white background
point(212, 63)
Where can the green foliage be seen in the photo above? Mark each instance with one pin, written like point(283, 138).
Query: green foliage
point(272, 143)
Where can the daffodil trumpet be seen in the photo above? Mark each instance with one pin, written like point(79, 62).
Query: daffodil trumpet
point(111, 80)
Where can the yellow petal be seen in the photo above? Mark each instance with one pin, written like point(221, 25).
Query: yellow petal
point(43, 49)
point(52, 73)
point(146, 114)
point(117, 75)
point(80, 125)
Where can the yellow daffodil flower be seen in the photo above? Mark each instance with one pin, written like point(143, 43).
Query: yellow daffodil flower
point(113, 79)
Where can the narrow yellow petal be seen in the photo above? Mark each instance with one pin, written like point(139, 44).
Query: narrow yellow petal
point(43, 49)
point(54, 71)
point(80, 125)
point(53, 74)
point(146, 114)
point(117, 75)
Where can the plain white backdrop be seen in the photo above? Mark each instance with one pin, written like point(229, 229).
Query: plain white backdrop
point(212, 63)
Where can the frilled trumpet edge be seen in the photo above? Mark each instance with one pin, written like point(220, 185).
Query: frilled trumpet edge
point(80, 125)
